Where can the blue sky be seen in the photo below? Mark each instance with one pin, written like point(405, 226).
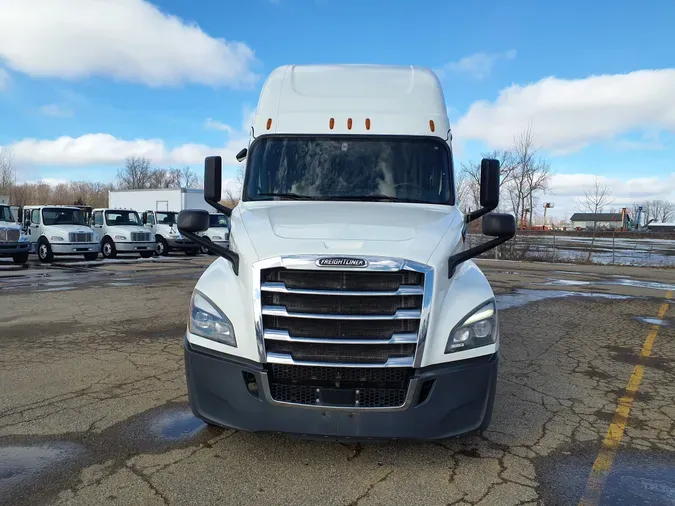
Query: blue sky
point(61, 77)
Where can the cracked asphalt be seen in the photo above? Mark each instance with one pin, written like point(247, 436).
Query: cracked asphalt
point(93, 405)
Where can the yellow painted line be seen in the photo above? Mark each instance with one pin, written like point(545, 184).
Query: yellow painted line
point(603, 463)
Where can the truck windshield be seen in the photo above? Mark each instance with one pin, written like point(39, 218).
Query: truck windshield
point(166, 218)
point(401, 169)
point(217, 220)
point(122, 218)
point(56, 216)
point(6, 214)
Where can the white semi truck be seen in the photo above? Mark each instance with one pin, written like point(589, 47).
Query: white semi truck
point(13, 243)
point(347, 305)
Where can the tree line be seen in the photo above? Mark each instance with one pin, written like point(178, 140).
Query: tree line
point(137, 173)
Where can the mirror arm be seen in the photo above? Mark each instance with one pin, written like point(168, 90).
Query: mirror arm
point(474, 215)
point(228, 255)
point(220, 207)
point(467, 254)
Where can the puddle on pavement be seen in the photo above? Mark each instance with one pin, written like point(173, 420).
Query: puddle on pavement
point(520, 297)
point(19, 464)
point(56, 289)
point(635, 283)
point(176, 424)
point(655, 321)
point(637, 477)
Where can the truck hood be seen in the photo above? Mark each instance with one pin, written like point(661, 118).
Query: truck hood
point(8, 225)
point(126, 229)
point(351, 228)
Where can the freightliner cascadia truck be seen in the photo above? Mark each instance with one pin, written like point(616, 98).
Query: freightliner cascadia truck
point(347, 305)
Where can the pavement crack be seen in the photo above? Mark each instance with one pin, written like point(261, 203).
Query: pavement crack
point(370, 489)
point(154, 489)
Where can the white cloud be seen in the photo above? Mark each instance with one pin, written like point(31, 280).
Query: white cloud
point(56, 110)
point(568, 114)
point(106, 149)
point(49, 181)
point(129, 40)
point(4, 79)
point(477, 65)
point(213, 124)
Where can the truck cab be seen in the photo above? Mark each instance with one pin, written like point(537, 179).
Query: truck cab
point(13, 243)
point(59, 230)
point(347, 304)
point(122, 231)
point(218, 232)
point(167, 236)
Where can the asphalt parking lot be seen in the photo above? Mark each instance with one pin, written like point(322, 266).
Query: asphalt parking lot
point(93, 406)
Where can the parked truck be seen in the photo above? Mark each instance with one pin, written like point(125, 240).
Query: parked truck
point(12, 242)
point(347, 304)
point(121, 231)
point(159, 209)
point(59, 230)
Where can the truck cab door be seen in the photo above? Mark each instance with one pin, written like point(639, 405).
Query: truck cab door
point(34, 225)
point(149, 219)
point(98, 221)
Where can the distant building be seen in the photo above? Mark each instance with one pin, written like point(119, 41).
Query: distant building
point(661, 227)
point(607, 221)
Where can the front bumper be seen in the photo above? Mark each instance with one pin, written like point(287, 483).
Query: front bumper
point(12, 248)
point(131, 247)
point(460, 399)
point(75, 248)
point(180, 243)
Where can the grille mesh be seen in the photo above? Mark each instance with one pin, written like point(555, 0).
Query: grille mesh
point(377, 387)
point(343, 280)
point(9, 235)
point(81, 237)
point(140, 236)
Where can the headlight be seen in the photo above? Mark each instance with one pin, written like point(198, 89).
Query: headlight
point(477, 329)
point(120, 238)
point(206, 320)
point(56, 238)
point(217, 238)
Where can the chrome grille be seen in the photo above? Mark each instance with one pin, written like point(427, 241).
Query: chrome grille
point(341, 317)
point(140, 236)
point(81, 237)
point(9, 235)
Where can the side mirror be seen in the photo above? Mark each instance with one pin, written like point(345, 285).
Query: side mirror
point(499, 225)
point(241, 156)
point(489, 188)
point(213, 183)
point(194, 221)
point(489, 183)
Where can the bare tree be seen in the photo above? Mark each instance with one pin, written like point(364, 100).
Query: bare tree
point(596, 198)
point(468, 180)
point(188, 178)
point(7, 170)
point(137, 174)
point(661, 210)
point(531, 175)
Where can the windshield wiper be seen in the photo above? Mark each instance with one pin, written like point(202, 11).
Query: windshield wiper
point(290, 196)
point(366, 198)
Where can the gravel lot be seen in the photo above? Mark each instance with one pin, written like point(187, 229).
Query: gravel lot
point(93, 406)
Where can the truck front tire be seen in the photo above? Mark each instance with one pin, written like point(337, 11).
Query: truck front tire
point(192, 252)
point(161, 247)
point(20, 258)
point(147, 254)
point(44, 251)
point(108, 249)
point(90, 256)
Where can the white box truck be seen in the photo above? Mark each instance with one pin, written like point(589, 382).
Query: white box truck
point(347, 305)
